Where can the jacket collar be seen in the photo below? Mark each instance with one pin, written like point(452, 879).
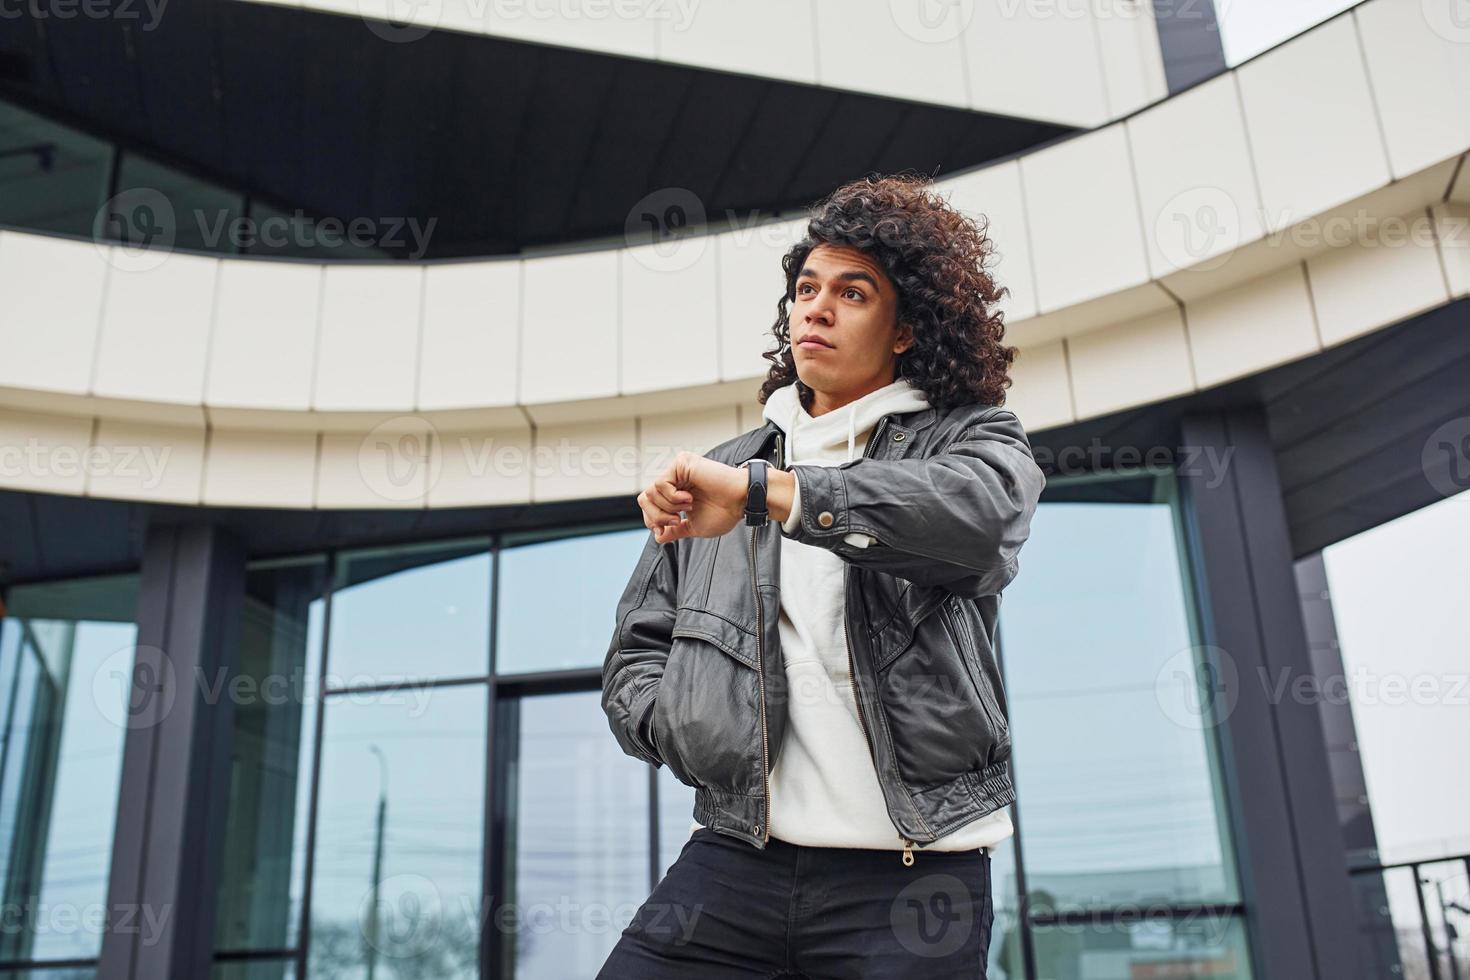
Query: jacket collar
point(758, 441)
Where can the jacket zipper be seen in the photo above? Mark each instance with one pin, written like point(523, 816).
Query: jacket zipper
point(908, 845)
point(760, 663)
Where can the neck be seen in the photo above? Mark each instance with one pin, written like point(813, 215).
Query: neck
point(829, 401)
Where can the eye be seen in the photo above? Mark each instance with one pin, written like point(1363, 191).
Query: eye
point(854, 291)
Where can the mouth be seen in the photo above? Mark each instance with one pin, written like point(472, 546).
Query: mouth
point(812, 342)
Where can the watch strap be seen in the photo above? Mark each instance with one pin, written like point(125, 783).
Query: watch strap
point(756, 511)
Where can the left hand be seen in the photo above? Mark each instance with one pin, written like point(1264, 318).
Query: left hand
point(710, 493)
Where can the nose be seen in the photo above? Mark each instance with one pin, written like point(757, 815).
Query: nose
point(820, 311)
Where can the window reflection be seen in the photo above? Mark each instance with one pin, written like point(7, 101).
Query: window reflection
point(255, 970)
point(54, 176)
point(263, 873)
point(397, 870)
point(1188, 946)
point(411, 612)
point(66, 660)
point(580, 839)
point(558, 598)
point(1119, 802)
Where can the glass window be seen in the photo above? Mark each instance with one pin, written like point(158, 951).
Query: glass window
point(1398, 601)
point(558, 599)
point(421, 611)
point(270, 773)
point(1005, 937)
point(675, 818)
point(396, 878)
point(54, 177)
point(255, 970)
point(580, 840)
point(188, 212)
point(66, 676)
point(1134, 947)
point(1119, 799)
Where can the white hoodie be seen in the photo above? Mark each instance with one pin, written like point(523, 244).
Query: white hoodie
point(824, 789)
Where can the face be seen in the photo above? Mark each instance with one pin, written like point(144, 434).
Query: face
point(845, 335)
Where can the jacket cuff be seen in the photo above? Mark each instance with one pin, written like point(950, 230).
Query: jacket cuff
point(822, 492)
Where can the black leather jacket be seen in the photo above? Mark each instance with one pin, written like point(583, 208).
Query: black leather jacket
point(694, 678)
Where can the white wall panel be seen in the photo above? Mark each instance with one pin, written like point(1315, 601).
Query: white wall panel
point(669, 324)
point(137, 461)
point(51, 293)
point(1146, 360)
point(1041, 392)
point(995, 193)
point(1313, 129)
point(1132, 59)
point(662, 437)
point(585, 459)
point(43, 452)
point(1260, 324)
point(740, 37)
point(888, 49)
point(481, 468)
point(1042, 64)
point(1386, 277)
point(1195, 180)
point(569, 327)
point(156, 324)
point(751, 284)
point(1423, 102)
point(1083, 210)
point(263, 350)
point(471, 334)
point(252, 468)
point(367, 357)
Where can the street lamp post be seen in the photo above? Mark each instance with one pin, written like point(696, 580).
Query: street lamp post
point(372, 923)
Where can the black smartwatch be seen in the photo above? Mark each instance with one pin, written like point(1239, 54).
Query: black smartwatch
point(756, 513)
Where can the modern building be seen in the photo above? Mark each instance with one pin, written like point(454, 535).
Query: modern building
point(336, 340)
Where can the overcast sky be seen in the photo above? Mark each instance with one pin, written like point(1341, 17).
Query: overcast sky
point(1249, 27)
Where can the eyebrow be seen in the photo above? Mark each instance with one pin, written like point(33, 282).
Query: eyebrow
point(850, 275)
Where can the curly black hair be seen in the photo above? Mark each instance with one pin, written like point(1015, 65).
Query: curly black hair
point(935, 256)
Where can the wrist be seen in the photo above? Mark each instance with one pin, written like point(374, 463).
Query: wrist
point(780, 494)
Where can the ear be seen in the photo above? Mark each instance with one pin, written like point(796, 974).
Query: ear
point(903, 338)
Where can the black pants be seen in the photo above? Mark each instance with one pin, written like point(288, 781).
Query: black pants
point(727, 909)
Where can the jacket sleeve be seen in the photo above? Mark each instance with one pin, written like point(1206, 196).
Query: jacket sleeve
point(956, 519)
point(639, 649)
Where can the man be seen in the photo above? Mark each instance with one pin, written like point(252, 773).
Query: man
point(808, 637)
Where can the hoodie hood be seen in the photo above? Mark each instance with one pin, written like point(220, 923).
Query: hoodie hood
point(808, 438)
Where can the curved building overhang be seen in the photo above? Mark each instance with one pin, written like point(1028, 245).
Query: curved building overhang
point(1314, 195)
